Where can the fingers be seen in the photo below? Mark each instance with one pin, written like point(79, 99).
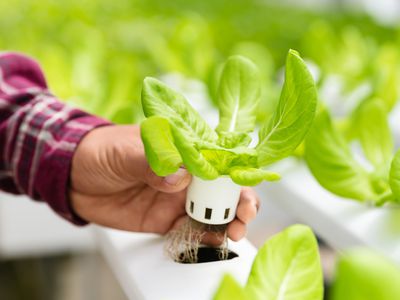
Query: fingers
point(166, 213)
point(170, 184)
point(213, 239)
point(249, 204)
point(135, 166)
point(237, 230)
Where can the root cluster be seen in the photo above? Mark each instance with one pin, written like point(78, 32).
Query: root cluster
point(182, 244)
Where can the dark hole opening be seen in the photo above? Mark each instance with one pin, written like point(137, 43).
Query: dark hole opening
point(208, 213)
point(191, 206)
point(226, 213)
point(209, 254)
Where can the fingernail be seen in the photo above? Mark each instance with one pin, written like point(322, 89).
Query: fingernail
point(176, 178)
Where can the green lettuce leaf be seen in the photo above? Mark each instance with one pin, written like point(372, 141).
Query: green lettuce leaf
point(233, 139)
point(229, 289)
point(394, 176)
point(287, 267)
point(362, 274)
point(161, 153)
point(238, 95)
point(270, 88)
point(386, 85)
point(251, 176)
point(193, 160)
point(179, 135)
point(330, 160)
point(294, 114)
point(160, 100)
point(375, 135)
point(225, 160)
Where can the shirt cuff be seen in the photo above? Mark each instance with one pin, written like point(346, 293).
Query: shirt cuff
point(52, 179)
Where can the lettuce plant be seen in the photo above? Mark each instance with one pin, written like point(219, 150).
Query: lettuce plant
point(174, 134)
point(286, 267)
point(375, 178)
point(270, 87)
point(363, 274)
point(383, 79)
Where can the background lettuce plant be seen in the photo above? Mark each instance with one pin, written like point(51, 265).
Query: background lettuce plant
point(370, 175)
point(364, 274)
point(383, 81)
point(97, 54)
point(174, 133)
point(286, 267)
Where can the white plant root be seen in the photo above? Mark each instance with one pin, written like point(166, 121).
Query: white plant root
point(182, 244)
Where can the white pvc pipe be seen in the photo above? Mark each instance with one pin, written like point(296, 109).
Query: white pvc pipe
point(212, 201)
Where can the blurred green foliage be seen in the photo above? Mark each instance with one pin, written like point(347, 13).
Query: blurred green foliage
point(96, 53)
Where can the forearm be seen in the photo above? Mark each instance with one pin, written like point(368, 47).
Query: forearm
point(38, 135)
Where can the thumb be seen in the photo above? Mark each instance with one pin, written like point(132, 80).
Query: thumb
point(170, 184)
point(136, 166)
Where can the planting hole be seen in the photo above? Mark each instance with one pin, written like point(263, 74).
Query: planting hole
point(209, 254)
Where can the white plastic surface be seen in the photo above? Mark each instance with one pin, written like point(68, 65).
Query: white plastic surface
point(212, 201)
point(29, 228)
point(144, 272)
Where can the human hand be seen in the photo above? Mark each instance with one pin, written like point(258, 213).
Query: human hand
point(113, 185)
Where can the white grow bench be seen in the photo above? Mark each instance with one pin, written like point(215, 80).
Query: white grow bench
point(138, 262)
point(144, 272)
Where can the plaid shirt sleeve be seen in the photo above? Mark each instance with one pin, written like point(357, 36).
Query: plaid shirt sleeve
point(38, 135)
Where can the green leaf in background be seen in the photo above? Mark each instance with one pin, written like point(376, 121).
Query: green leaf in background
point(161, 153)
point(394, 177)
point(330, 160)
point(386, 76)
point(374, 133)
point(238, 95)
point(122, 114)
point(251, 176)
point(160, 100)
point(364, 275)
point(270, 87)
point(293, 116)
point(123, 92)
point(387, 90)
point(230, 290)
point(287, 267)
point(192, 45)
point(190, 37)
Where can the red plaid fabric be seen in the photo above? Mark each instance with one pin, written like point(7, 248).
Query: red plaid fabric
point(38, 135)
